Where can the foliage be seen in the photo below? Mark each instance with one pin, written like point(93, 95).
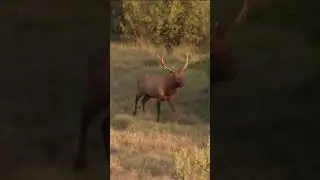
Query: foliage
point(193, 163)
point(159, 21)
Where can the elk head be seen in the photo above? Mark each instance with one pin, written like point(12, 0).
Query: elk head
point(176, 79)
point(222, 64)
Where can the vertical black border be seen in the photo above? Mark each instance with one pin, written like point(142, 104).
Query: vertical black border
point(298, 162)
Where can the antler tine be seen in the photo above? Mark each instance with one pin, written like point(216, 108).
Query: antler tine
point(164, 65)
point(242, 14)
point(186, 63)
point(240, 17)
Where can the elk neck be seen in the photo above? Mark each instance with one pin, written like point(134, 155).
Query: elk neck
point(170, 84)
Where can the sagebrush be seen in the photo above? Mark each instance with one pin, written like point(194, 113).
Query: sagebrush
point(193, 163)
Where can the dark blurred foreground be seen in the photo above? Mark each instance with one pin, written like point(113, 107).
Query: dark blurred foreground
point(266, 122)
point(44, 48)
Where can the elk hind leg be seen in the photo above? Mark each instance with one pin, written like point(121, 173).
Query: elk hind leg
point(144, 101)
point(105, 133)
point(158, 110)
point(138, 96)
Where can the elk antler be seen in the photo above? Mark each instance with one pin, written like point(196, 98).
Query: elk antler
point(242, 14)
point(226, 33)
point(186, 64)
point(163, 64)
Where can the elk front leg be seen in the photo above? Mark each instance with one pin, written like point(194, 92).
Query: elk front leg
point(173, 110)
point(158, 110)
point(144, 101)
point(138, 96)
point(89, 110)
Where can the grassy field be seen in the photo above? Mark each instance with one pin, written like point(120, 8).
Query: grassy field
point(140, 147)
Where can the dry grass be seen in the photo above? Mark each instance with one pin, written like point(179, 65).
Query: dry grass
point(140, 147)
point(148, 151)
point(147, 154)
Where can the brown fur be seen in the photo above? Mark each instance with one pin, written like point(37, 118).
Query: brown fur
point(161, 88)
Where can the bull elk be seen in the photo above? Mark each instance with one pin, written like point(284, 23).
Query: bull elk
point(162, 88)
point(223, 68)
point(97, 99)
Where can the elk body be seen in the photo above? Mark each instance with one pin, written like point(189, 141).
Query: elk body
point(97, 99)
point(222, 65)
point(161, 88)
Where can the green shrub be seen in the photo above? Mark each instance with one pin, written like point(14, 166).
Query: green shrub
point(159, 21)
point(193, 163)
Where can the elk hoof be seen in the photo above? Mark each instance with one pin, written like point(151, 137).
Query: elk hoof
point(175, 118)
